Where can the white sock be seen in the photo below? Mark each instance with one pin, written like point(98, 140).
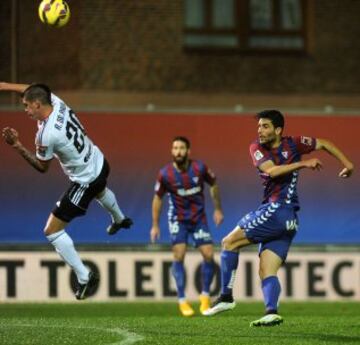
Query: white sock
point(108, 201)
point(65, 247)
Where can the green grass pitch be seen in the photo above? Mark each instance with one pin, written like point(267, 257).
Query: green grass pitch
point(159, 323)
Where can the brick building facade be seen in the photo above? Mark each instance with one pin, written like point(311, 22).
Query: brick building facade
point(136, 47)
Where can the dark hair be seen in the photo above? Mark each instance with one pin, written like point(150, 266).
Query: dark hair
point(184, 140)
point(37, 92)
point(274, 116)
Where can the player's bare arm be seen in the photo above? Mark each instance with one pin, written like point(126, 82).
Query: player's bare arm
point(156, 210)
point(215, 196)
point(11, 137)
point(328, 146)
point(20, 88)
point(274, 171)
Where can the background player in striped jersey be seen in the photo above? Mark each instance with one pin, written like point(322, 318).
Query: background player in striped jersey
point(274, 224)
point(61, 135)
point(183, 180)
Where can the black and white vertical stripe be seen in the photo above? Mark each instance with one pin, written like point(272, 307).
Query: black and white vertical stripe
point(78, 193)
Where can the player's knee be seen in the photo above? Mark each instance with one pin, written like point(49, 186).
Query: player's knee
point(261, 273)
point(208, 257)
point(266, 271)
point(49, 230)
point(178, 257)
point(226, 243)
point(103, 192)
point(263, 270)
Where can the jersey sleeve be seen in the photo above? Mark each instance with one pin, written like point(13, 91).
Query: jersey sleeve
point(209, 176)
point(259, 155)
point(304, 144)
point(160, 188)
point(44, 145)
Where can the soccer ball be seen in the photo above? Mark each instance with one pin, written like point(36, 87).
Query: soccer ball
point(54, 12)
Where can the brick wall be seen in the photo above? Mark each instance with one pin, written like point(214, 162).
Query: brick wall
point(136, 46)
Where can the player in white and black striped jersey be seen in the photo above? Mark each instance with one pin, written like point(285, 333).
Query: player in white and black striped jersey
point(61, 135)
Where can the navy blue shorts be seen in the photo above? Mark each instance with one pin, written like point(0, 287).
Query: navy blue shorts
point(181, 231)
point(273, 225)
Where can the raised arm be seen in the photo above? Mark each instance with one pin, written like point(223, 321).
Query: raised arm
point(11, 137)
point(215, 196)
point(274, 171)
point(156, 211)
point(328, 146)
point(20, 88)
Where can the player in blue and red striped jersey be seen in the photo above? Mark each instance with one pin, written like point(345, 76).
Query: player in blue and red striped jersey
point(183, 181)
point(274, 224)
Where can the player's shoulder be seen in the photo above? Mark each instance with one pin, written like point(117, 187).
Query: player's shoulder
point(289, 138)
point(45, 134)
point(301, 139)
point(56, 99)
point(60, 108)
point(164, 170)
point(199, 165)
point(255, 145)
point(197, 162)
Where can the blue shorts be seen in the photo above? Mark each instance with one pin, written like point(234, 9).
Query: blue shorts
point(199, 232)
point(273, 225)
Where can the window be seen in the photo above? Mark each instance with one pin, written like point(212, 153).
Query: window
point(247, 25)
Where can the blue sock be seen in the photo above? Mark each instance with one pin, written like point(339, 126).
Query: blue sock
point(207, 274)
point(271, 289)
point(178, 272)
point(229, 263)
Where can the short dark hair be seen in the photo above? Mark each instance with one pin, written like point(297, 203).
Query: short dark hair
point(274, 116)
point(37, 92)
point(184, 140)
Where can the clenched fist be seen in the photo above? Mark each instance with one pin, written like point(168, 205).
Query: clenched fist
point(10, 135)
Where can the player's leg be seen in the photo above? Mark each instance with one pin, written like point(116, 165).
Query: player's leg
point(231, 245)
point(202, 239)
point(252, 228)
point(74, 203)
point(178, 271)
point(55, 233)
point(207, 275)
point(272, 254)
point(269, 266)
point(107, 199)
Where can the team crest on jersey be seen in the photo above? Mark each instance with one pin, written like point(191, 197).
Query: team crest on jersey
point(258, 155)
point(306, 141)
point(285, 154)
point(41, 150)
point(195, 179)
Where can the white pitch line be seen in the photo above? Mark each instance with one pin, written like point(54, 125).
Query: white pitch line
point(129, 338)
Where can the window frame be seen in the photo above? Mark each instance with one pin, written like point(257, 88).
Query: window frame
point(243, 31)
